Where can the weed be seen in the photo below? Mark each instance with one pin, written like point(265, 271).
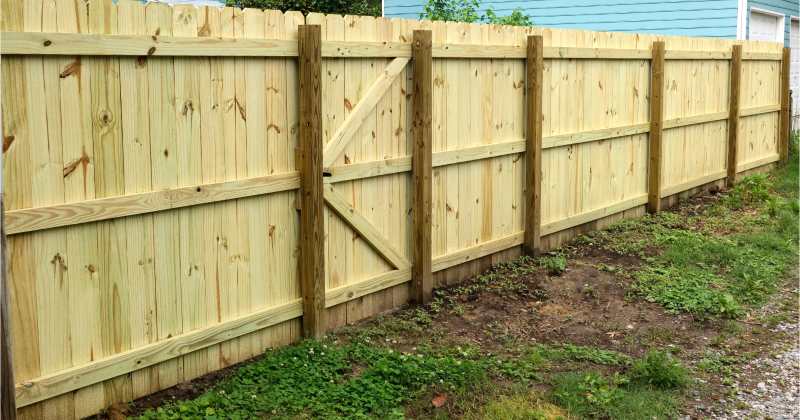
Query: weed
point(659, 369)
point(750, 190)
point(555, 264)
point(581, 354)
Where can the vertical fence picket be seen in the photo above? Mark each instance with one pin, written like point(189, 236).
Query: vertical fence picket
point(8, 406)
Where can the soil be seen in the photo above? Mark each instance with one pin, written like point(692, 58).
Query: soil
point(588, 304)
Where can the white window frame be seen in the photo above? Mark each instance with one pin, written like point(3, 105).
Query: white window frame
point(741, 20)
point(781, 35)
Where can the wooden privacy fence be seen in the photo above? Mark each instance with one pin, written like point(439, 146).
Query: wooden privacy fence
point(153, 158)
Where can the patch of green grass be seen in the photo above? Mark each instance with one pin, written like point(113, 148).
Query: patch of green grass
point(719, 365)
point(680, 290)
point(592, 395)
point(711, 275)
point(723, 261)
point(315, 379)
point(659, 369)
point(519, 406)
point(358, 379)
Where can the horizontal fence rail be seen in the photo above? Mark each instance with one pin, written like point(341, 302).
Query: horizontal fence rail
point(186, 187)
point(33, 43)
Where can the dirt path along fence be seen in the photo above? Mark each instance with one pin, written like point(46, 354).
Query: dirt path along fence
point(185, 187)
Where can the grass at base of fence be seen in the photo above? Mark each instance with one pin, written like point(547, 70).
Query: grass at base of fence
point(719, 262)
point(716, 261)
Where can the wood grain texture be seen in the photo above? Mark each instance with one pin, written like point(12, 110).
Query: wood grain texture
point(363, 227)
point(312, 230)
point(785, 117)
point(656, 124)
point(8, 403)
point(28, 220)
point(29, 392)
point(362, 110)
point(27, 43)
point(733, 113)
point(533, 145)
point(421, 166)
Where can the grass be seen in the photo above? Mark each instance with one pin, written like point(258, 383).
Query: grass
point(593, 395)
point(722, 262)
point(520, 406)
point(718, 263)
point(659, 369)
point(324, 380)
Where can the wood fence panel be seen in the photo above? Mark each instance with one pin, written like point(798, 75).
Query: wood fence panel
point(164, 286)
point(694, 87)
point(118, 126)
point(581, 95)
point(760, 86)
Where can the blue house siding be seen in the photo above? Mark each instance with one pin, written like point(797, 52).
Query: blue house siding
point(788, 8)
point(711, 18)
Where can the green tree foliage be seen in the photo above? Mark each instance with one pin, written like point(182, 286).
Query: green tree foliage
point(516, 18)
point(467, 11)
point(342, 7)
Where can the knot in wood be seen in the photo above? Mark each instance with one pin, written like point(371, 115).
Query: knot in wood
point(105, 118)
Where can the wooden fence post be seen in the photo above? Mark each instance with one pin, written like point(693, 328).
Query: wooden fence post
point(421, 160)
point(656, 126)
point(733, 113)
point(533, 144)
point(312, 229)
point(783, 139)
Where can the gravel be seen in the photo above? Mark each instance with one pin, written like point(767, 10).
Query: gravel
point(776, 395)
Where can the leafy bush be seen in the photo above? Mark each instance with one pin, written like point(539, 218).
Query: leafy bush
point(342, 7)
point(467, 11)
point(452, 10)
point(659, 369)
point(516, 18)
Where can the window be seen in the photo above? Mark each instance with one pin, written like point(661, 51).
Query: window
point(766, 26)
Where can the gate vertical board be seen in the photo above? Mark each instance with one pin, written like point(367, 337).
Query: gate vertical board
point(312, 252)
point(656, 126)
point(421, 160)
point(533, 144)
point(8, 405)
point(733, 113)
point(783, 136)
